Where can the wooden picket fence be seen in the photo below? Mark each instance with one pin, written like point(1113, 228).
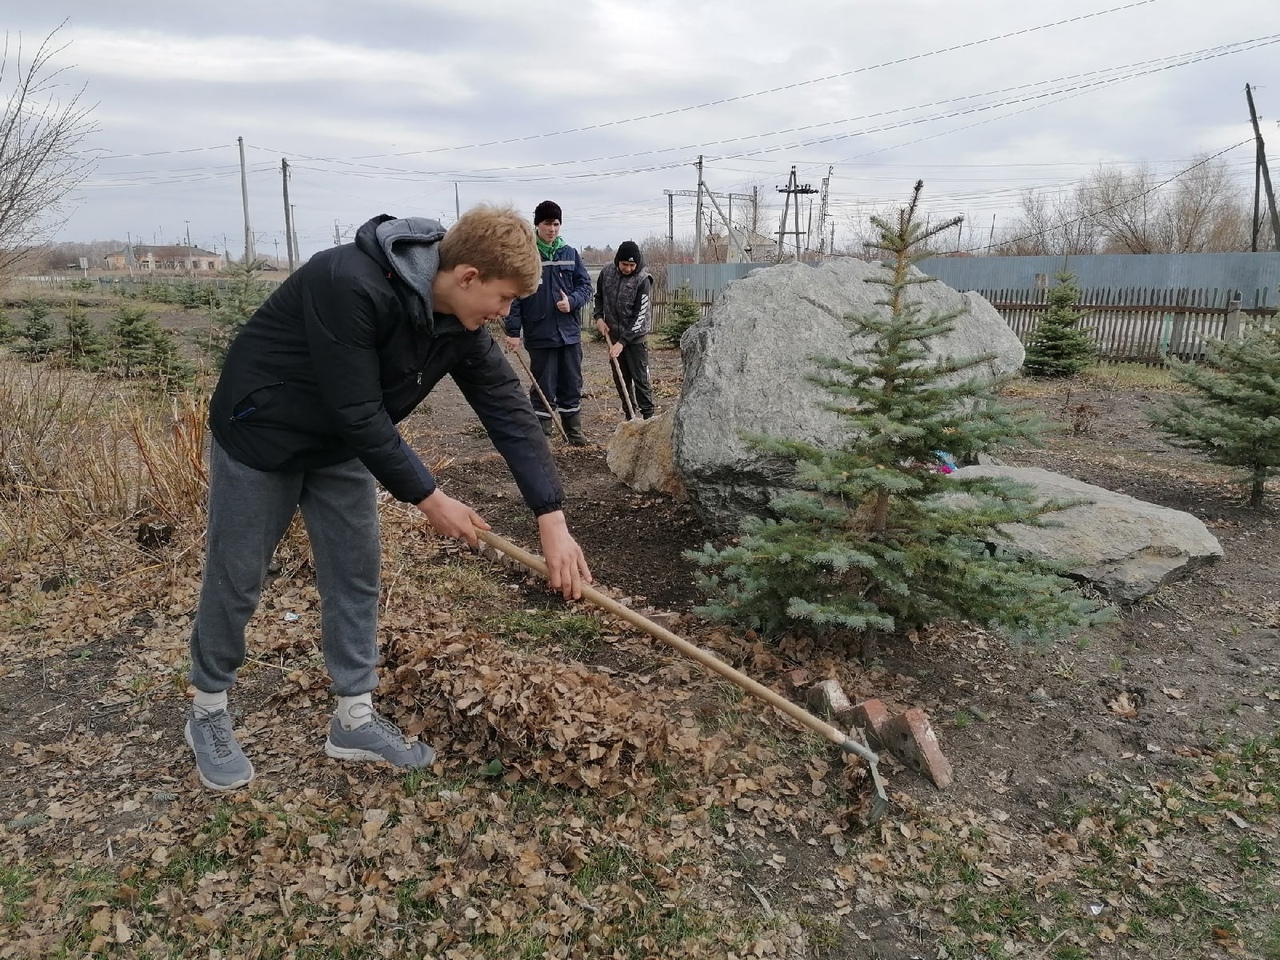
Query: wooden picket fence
point(1140, 325)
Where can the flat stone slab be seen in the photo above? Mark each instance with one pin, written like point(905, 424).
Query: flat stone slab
point(1124, 546)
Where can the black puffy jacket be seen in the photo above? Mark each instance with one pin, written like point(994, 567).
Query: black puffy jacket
point(341, 352)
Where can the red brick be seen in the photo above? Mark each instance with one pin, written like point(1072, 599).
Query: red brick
point(910, 737)
point(828, 699)
point(871, 716)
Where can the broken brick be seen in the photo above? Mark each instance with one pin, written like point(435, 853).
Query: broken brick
point(871, 716)
point(828, 699)
point(910, 737)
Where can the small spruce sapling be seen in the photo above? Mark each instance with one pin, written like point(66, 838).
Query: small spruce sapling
point(685, 312)
point(37, 332)
point(83, 345)
point(874, 538)
point(233, 308)
point(1058, 346)
point(1234, 418)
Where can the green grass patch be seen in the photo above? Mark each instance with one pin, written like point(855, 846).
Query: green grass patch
point(577, 635)
point(16, 883)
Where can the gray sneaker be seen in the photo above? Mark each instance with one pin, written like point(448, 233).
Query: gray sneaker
point(379, 739)
point(220, 762)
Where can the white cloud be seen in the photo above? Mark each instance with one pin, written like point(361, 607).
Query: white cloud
point(381, 105)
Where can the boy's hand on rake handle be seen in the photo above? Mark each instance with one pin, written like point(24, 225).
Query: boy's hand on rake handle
point(452, 518)
point(567, 567)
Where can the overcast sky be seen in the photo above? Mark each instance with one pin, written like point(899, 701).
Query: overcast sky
point(383, 106)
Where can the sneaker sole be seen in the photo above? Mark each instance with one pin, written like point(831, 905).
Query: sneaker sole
point(186, 735)
point(331, 749)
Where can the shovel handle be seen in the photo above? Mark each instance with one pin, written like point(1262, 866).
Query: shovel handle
point(712, 663)
point(622, 383)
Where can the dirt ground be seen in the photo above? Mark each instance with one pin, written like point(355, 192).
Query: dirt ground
point(1029, 730)
point(1025, 729)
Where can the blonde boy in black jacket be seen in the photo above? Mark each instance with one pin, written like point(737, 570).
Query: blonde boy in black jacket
point(304, 416)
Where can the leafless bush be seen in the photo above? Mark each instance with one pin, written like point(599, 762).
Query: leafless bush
point(76, 454)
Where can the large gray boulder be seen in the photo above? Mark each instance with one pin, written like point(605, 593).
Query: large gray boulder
point(1126, 547)
point(746, 366)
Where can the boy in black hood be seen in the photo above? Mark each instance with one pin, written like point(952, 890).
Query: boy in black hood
point(304, 416)
point(623, 312)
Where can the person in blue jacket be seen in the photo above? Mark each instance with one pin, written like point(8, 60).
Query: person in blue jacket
point(304, 417)
point(551, 325)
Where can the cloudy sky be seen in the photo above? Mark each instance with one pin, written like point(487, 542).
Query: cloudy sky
point(390, 106)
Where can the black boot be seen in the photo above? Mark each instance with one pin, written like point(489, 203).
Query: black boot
point(548, 426)
point(573, 428)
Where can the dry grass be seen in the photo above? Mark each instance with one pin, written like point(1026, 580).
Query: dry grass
point(77, 453)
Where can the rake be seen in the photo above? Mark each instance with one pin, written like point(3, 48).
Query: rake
point(880, 800)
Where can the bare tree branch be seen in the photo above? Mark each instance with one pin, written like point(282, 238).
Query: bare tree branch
point(41, 136)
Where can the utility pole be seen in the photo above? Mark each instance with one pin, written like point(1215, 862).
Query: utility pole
point(249, 256)
point(786, 208)
point(337, 238)
point(798, 189)
point(709, 194)
point(1266, 177)
point(293, 221)
point(733, 240)
point(697, 217)
point(288, 216)
point(671, 224)
point(188, 223)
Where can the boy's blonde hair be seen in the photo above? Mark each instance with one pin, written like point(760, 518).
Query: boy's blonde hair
point(498, 242)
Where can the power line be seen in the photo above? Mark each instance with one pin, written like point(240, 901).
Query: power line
point(1105, 77)
point(1119, 203)
point(760, 93)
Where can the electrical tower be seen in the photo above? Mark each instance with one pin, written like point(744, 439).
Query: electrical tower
point(823, 211)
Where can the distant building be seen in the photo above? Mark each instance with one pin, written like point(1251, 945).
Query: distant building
point(174, 259)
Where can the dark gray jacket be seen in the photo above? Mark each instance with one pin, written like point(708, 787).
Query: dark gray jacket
point(625, 303)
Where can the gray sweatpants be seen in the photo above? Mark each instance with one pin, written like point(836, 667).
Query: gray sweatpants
point(249, 511)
